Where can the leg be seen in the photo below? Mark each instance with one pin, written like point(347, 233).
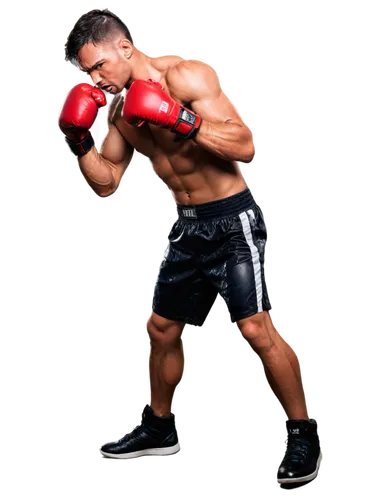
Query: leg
point(280, 363)
point(166, 361)
point(157, 433)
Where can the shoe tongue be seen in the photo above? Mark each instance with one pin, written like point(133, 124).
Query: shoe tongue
point(147, 409)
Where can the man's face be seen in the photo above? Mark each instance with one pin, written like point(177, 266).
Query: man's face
point(107, 64)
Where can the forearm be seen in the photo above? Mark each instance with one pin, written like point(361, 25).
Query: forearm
point(226, 140)
point(98, 172)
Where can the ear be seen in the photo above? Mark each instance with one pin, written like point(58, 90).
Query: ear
point(126, 47)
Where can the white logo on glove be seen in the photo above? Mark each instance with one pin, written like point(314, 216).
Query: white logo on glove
point(164, 107)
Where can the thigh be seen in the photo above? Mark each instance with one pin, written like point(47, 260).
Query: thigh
point(182, 292)
point(238, 269)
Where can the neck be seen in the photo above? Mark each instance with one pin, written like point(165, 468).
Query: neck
point(142, 68)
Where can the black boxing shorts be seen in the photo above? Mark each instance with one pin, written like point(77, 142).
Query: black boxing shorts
point(214, 247)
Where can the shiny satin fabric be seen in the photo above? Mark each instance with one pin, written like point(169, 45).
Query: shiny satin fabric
point(205, 258)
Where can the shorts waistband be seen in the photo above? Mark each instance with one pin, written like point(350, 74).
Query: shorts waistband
point(226, 207)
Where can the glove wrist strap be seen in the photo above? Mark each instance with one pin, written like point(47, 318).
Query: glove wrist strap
point(81, 148)
point(187, 124)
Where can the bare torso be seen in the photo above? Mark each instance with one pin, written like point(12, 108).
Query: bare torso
point(193, 174)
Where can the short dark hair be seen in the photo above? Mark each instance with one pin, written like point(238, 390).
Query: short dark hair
point(94, 27)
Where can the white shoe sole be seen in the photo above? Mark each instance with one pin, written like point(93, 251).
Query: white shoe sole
point(305, 478)
point(151, 451)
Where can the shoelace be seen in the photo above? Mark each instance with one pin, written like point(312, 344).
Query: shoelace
point(135, 431)
point(297, 448)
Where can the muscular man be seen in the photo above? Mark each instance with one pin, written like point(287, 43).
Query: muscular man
point(176, 114)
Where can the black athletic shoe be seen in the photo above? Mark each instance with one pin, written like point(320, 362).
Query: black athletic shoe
point(155, 436)
point(303, 456)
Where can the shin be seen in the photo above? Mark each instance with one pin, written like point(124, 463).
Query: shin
point(280, 363)
point(166, 361)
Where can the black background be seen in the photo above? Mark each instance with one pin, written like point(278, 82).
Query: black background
point(102, 257)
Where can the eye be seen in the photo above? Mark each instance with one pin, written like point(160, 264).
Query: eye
point(99, 65)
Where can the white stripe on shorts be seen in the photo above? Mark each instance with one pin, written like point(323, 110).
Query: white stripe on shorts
point(254, 254)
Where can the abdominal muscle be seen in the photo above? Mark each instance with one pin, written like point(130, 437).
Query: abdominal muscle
point(193, 180)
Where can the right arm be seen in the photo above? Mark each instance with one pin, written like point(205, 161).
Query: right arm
point(103, 171)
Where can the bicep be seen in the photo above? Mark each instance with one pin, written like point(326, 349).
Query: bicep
point(216, 108)
point(117, 151)
point(115, 148)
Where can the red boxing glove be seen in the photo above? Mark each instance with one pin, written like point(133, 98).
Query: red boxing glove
point(79, 116)
point(147, 101)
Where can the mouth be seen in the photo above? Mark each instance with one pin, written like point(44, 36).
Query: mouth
point(107, 88)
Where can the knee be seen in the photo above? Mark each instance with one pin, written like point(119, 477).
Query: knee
point(163, 332)
point(257, 334)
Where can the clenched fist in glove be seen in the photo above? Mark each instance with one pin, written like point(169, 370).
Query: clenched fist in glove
point(78, 115)
point(147, 101)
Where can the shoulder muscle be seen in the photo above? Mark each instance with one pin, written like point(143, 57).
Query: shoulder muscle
point(193, 80)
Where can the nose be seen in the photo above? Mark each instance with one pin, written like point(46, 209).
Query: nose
point(95, 77)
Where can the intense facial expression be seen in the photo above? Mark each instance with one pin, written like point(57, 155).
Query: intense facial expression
point(107, 63)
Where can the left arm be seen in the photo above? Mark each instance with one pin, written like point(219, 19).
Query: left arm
point(222, 130)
